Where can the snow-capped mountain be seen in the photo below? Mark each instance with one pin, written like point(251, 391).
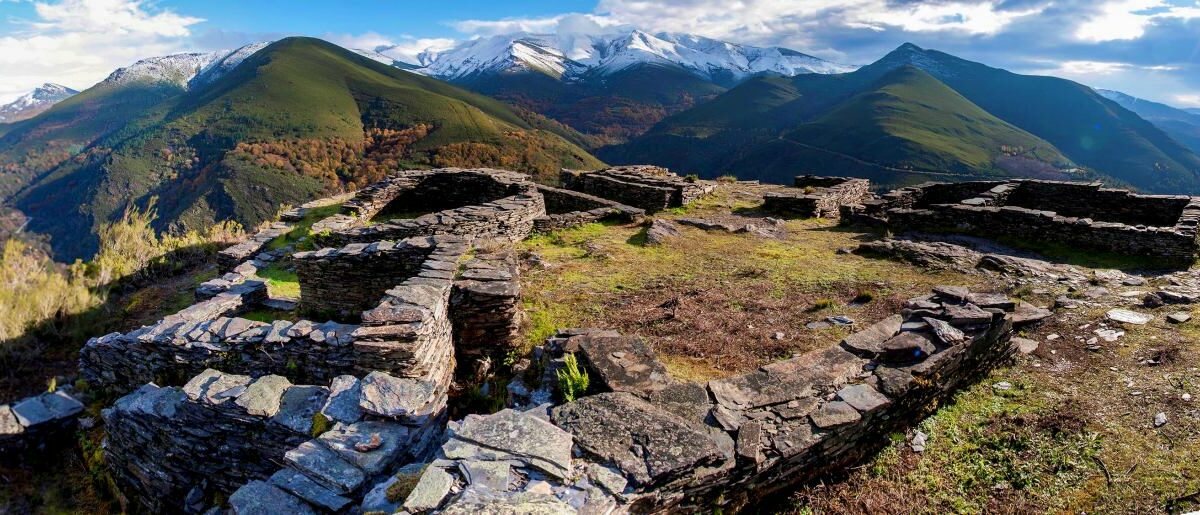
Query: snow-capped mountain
point(569, 57)
point(183, 70)
point(34, 102)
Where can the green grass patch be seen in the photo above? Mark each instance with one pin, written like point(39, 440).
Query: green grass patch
point(303, 228)
point(281, 283)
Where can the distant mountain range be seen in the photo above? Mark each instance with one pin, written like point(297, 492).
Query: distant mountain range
point(235, 135)
point(1181, 124)
point(941, 117)
point(34, 103)
point(610, 87)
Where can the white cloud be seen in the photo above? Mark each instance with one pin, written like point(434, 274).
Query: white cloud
point(79, 42)
point(1128, 19)
point(1188, 99)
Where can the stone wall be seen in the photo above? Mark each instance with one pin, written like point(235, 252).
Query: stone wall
point(648, 443)
point(231, 256)
point(816, 196)
point(646, 187)
point(342, 282)
point(484, 215)
point(28, 424)
point(174, 448)
point(406, 333)
point(485, 309)
point(1083, 215)
point(567, 208)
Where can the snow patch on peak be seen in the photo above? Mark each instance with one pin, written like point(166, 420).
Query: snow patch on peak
point(569, 56)
point(33, 103)
point(184, 70)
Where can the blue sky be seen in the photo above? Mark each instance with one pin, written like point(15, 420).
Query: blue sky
point(1148, 48)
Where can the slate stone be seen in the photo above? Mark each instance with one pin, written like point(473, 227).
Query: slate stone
point(262, 498)
point(8, 422)
point(957, 293)
point(517, 504)
point(60, 404)
point(868, 340)
point(893, 381)
point(660, 231)
point(32, 411)
point(834, 414)
point(623, 364)
point(1026, 313)
point(906, 347)
point(1024, 345)
point(1126, 316)
point(863, 398)
point(263, 396)
point(967, 314)
point(492, 475)
point(607, 478)
point(1179, 317)
point(395, 397)
point(991, 300)
point(298, 405)
point(325, 467)
point(522, 435)
point(370, 445)
point(749, 443)
point(214, 387)
point(429, 491)
point(301, 486)
point(648, 444)
point(342, 405)
point(945, 332)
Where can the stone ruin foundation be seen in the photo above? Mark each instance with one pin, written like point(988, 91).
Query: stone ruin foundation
point(651, 188)
point(1075, 214)
point(815, 196)
point(227, 414)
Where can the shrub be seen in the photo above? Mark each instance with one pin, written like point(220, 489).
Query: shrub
point(691, 177)
point(863, 297)
point(727, 178)
point(821, 304)
point(572, 382)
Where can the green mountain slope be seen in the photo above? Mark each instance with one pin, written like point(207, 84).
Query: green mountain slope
point(604, 109)
point(739, 129)
point(298, 119)
point(1181, 124)
point(908, 121)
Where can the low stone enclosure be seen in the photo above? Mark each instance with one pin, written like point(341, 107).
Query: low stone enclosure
point(651, 188)
point(294, 415)
point(643, 442)
point(814, 196)
point(1076, 214)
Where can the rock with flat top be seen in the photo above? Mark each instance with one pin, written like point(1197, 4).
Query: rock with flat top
point(1126, 316)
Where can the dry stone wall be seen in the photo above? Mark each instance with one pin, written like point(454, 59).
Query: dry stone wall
point(496, 204)
point(567, 208)
point(1076, 214)
point(651, 188)
point(647, 443)
point(29, 423)
point(486, 309)
point(816, 196)
point(342, 282)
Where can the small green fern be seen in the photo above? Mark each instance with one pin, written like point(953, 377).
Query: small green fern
point(572, 382)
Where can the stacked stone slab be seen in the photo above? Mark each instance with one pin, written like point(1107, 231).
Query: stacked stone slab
point(648, 443)
point(566, 208)
point(1072, 213)
point(816, 196)
point(487, 204)
point(174, 448)
point(651, 188)
point(407, 332)
point(486, 308)
point(342, 282)
point(231, 256)
point(30, 422)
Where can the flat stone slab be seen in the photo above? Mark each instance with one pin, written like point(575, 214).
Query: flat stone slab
point(624, 363)
point(369, 445)
point(646, 443)
point(1126, 316)
point(395, 397)
point(906, 347)
point(1179, 317)
point(834, 414)
point(1025, 345)
point(342, 405)
point(863, 398)
point(262, 498)
point(430, 490)
point(263, 396)
point(522, 435)
point(298, 405)
point(8, 422)
point(945, 332)
point(325, 467)
point(301, 486)
point(869, 340)
point(968, 314)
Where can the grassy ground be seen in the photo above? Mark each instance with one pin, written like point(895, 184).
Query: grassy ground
point(281, 282)
point(1074, 433)
point(303, 229)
